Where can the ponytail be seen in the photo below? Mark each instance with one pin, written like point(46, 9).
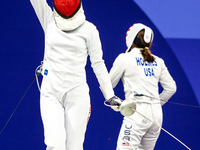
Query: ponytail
point(145, 51)
point(147, 55)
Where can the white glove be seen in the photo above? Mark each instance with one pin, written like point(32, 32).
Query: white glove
point(115, 103)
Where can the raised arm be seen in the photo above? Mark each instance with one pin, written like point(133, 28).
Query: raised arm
point(43, 12)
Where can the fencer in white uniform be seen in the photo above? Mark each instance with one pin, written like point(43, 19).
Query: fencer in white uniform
point(65, 100)
point(140, 72)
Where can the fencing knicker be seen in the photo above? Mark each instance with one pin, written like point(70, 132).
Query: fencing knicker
point(137, 132)
point(65, 120)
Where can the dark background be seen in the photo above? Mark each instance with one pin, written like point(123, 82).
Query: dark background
point(21, 51)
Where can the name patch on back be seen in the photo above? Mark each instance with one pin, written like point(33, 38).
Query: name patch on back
point(148, 70)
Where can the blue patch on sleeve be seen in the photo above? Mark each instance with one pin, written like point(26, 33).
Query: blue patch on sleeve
point(46, 72)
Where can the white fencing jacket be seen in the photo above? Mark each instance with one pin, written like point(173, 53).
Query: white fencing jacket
point(66, 53)
point(142, 77)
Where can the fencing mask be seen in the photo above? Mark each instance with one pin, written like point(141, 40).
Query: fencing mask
point(69, 14)
point(134, 30)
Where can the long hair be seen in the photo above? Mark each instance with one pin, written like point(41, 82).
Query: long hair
point(145, 51)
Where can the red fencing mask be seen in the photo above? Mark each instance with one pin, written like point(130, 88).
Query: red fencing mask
point(67, 8)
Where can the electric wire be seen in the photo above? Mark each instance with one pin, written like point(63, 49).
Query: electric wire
point(38, 72)
point(17, 106)
point(163, 129)
point(136, 94)
point(183, 104)
point(154, 124)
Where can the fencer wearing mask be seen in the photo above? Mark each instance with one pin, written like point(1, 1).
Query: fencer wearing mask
point(64, 99)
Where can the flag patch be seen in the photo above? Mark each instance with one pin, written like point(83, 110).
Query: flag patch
point(125, 144)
